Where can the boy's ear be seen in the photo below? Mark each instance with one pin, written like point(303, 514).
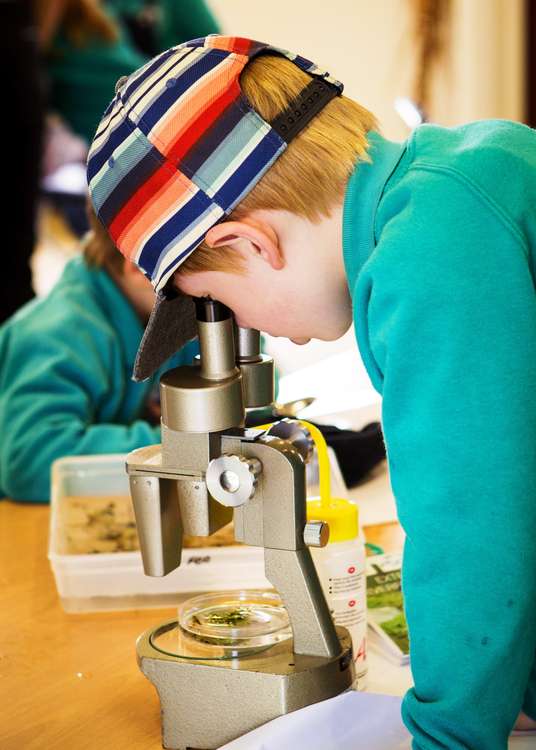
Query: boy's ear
point(261, 238)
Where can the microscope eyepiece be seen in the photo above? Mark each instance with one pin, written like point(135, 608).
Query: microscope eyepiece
point(209, 310)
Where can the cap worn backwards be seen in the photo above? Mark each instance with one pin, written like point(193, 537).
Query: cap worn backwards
point(176, 151)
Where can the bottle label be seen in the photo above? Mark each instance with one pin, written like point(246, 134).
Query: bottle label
point(344, 584)
point(351, 580)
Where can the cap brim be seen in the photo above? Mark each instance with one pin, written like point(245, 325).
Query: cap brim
point(171, 325)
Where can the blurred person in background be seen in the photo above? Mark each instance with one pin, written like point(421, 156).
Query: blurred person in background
point(88, 45)
point(65, 370)
point(65, 56)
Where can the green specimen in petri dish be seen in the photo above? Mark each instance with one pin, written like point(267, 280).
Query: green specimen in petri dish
point(236, 616)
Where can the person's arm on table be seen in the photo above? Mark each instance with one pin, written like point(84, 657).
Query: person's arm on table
point(60, 398)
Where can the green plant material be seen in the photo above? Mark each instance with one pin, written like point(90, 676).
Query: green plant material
point(238, 616)
point(385, 599)
point(397, 630)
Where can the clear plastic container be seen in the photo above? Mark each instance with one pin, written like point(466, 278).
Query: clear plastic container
point(109, 574)
point(104, 579)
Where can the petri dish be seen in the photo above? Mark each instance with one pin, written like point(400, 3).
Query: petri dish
point(225, 625)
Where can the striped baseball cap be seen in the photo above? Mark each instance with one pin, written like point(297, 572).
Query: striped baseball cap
point(177, 149)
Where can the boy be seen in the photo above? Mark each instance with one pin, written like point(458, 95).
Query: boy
point(65, 370)
point(301, 217)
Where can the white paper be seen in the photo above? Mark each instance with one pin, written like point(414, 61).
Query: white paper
point(523, 741)
point(351, 721)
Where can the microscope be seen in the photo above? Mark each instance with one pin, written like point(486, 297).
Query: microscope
point(208, 470)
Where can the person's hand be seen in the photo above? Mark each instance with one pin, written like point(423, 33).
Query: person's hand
point(524, 723)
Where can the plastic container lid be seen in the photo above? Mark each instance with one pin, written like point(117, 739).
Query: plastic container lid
point(341, 515)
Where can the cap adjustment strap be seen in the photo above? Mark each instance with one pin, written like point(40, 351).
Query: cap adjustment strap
point(304, 107)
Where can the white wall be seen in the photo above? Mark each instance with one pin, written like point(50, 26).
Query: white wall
point(358, 41)
point(368, 46)
point(483, 76)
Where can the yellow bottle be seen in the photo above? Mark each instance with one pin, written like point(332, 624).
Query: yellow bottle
point(341, 563)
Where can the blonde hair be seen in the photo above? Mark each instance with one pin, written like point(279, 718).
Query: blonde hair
point(310, 176)
point(97, 246)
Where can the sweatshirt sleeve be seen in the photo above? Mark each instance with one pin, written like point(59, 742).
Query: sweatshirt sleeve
point(61, 393)
point(446, 320)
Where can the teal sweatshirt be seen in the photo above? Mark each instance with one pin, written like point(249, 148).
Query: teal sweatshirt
point(439, 237)
point(65, 380)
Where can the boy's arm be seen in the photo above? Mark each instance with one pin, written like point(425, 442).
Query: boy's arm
point(448, 332)
point(54, 390)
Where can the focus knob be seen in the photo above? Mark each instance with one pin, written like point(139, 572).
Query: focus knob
point(231, 480)
point(316, 534)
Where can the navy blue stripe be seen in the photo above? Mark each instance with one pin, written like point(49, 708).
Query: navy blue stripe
point(303, 62)
point(171, 93)
point(204, 148)
point(199, 42)
point(132, 105)
point(171, 230)
point(108, 108)
point(178, 259)
point(130, 183)
point(261, 155)
point(258, 47)
point(118, 136)
point(158, 61)
point(155, 83)
point(109, 123)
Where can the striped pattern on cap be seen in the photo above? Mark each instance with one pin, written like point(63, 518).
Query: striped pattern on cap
point(178, 148)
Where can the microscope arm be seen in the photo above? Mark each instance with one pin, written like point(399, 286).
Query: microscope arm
point(275, 518)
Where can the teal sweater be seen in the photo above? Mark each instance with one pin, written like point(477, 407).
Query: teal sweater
point(65, 380)
point(439, 237)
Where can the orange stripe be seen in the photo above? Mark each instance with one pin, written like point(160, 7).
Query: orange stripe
point(207, 116)
point(150, 215)
point(168, 130)
point(218, 42)
point(227, 43)
point(238, 44)
point(136, 202)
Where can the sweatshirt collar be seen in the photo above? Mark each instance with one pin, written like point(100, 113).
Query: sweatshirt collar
point(363, 193)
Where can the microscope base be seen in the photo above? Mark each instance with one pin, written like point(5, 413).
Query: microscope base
point(205, 704)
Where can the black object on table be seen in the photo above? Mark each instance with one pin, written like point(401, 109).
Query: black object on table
point(357, 451)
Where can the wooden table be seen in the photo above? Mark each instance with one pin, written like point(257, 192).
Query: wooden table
point(71, 681)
